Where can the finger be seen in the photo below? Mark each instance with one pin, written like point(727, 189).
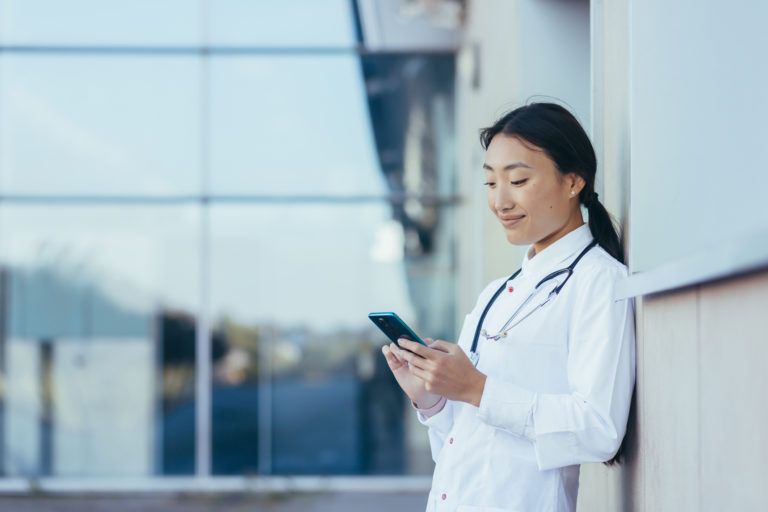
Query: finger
point(413, 360)
point(413, 346)
point(398, 352)
point(389, 354)
point(392, 360)
point(420, 373)
point(443, 346)
point(396, 359)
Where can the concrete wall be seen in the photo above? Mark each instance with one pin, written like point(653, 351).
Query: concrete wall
point(702, 405)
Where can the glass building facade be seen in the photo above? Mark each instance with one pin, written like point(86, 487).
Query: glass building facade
point(200, 202)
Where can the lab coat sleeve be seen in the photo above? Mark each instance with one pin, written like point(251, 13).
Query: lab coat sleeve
point(587, 424)
point(440, 424)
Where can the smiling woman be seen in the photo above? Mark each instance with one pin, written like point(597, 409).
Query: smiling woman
point(541, 378)
point(534, 202)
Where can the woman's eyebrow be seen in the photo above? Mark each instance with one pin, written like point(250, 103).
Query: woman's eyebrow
point(509, 167)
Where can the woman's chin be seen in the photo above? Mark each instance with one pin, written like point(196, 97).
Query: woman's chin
point(515, 238)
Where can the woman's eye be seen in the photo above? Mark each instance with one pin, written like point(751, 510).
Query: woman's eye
point(489, 183)
point(519, 182)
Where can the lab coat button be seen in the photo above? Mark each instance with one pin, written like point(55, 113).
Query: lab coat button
point(444, 496)
point(450, 441)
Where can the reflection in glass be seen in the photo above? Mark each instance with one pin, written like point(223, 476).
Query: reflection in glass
point(95, 124)
point(294, 125)
point(299, 384)
point(281, 23)
point(95, 22)
point(411, 104)
point(97, 339)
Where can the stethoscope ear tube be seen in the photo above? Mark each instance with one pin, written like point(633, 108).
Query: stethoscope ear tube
point(473, 354)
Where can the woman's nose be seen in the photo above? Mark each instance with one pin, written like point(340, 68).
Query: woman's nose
point(503, 200)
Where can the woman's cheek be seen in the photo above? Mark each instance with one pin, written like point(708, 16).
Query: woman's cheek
point(491, 200)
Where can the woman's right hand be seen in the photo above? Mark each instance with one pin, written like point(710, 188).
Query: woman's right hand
point(413, 386)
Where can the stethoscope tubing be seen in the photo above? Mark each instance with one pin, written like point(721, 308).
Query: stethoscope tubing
point(569, 270)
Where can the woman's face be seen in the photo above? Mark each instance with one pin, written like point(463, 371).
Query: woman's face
point(529, 196)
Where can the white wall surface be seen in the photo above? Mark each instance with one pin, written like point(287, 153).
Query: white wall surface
point(698, 82)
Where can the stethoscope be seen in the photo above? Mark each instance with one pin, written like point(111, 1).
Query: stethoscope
point(474, 356)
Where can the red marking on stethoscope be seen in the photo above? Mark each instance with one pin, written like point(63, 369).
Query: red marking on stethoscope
point(511, 289)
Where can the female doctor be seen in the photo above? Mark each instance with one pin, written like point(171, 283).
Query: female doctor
point(542, 376)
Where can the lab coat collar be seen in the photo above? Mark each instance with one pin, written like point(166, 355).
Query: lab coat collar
point(554, 255)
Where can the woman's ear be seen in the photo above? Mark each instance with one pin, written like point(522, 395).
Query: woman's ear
point(575, 182)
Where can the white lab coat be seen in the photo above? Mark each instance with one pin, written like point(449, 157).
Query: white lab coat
point(557, 392)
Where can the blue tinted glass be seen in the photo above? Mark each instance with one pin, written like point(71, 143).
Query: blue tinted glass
point(299, 382)
point(291, 125)
point(281, 23)
point(99, 308)
point(99, 125)
point(96, 22)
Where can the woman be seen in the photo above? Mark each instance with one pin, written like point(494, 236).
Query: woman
point(548, 383)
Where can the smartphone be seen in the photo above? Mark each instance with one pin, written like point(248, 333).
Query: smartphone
point(393, 326)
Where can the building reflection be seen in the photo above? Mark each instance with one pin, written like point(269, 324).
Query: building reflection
point(79, 397)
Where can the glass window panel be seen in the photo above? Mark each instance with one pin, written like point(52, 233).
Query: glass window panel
point(96, 22)
point(299, 383)
point(282, 23)
point(99, 124)
point(291, 125)
point(98, 316)
point(411, 104)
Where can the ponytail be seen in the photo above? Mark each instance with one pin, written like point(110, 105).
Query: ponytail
point(601, 224)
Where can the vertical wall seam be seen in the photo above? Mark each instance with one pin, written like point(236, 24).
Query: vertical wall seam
point(698, 397)
point(644, 460)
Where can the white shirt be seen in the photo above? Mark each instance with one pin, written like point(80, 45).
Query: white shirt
point(557, 392)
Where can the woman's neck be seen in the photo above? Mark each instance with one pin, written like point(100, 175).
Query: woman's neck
point(572, 224)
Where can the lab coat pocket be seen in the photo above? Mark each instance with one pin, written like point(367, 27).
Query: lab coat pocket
point(468, 508)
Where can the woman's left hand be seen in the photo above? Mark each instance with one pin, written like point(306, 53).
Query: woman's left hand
point(445, 369)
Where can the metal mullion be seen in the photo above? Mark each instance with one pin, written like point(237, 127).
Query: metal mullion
point(203, 405)
point(131, 200)
point(287, 51)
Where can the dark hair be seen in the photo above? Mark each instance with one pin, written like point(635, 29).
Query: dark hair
point(553, 129)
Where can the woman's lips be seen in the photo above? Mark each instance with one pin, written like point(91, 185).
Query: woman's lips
point(508, 222)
